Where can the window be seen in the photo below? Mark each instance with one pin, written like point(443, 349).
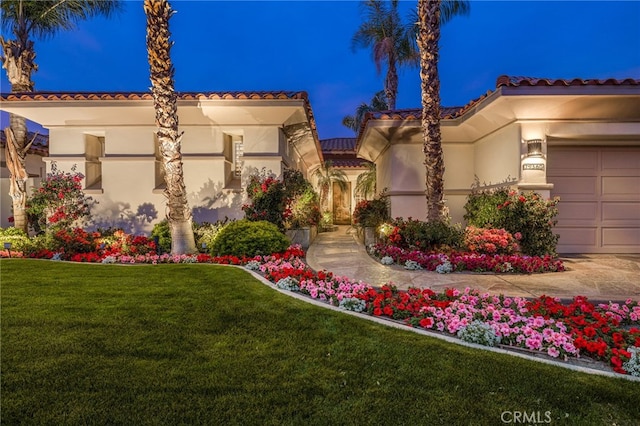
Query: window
point(237, 158)
point(93, 151)
point(233, 156)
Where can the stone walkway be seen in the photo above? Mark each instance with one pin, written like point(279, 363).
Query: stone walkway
point(599, 277)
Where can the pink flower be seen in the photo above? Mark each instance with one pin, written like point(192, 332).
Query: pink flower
point(553, 352)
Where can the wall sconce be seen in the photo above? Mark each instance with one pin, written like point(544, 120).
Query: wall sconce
point(7, 246)
point(534, 148)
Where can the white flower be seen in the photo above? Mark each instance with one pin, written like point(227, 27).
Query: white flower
point(412, 265)
point(444, 268)
point(633, 365)
point(387, 260)
point(353, 304)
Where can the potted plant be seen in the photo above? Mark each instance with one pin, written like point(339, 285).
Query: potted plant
point(368, 215)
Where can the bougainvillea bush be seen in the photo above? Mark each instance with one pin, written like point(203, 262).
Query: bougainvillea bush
point(59, 202)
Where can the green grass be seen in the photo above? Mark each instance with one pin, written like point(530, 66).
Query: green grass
point(204, 344)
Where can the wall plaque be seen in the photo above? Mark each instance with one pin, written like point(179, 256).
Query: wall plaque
point(538, 166)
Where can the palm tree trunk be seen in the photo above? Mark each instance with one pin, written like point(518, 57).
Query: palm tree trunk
point(428, 36)
point(15, 158)
point(158, 47)
point(391, 83)
point(18, 61)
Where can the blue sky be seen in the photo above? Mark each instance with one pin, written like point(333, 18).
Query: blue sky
point(306, 45)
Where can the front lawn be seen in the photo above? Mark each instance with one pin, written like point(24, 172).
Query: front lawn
point(209, 344)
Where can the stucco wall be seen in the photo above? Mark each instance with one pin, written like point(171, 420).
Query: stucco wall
point(401, 170)
point(497, 155)
point(130, 194)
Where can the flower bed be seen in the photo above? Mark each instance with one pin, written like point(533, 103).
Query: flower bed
point(604, 332)
point(474, 262)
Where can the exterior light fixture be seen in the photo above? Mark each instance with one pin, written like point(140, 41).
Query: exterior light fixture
point(534, 148)
point(7, 246)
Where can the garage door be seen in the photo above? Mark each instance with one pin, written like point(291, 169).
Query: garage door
point(599, 190)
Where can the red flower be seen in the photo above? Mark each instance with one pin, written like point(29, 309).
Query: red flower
point(426, 322)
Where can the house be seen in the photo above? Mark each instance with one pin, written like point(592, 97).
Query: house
point(341, 153)
point(576, 139)
point(110, 138)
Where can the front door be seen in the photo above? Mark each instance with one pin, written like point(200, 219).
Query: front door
point(342, 204)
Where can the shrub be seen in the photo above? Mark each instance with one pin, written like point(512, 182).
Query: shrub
point(206, 233)
point(490, 241)
point(247, 238)
point(534, 218)
point(481, 208)
point(425, 236)
point(72, 242)
point(371, 213)
point(525, 213)
point(60, 202)
point(162, 231)
point(267, 200)
point(118, 242)
point(305, 210)
point(18, 238)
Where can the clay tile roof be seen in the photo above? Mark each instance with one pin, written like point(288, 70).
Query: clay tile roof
point(518, 81)
point(338, 145)
point(344, 163)
point(136, 96)
point(344, 160)
point(40, 145)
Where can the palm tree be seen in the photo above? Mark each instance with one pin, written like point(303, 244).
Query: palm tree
point(158, 13)
point(390, 40)
point(378, 103)
point(325, 175)
point(366, 181)
point(431, 14)
point(39, 19)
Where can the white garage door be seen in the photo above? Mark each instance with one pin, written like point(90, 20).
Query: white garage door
point(599, 190)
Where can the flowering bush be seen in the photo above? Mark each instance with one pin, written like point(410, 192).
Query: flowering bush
point(287, 203)
point(120, 242)
point(305, 210)
point(60, 202)
point(490, 241)
point(525, 213)
point(415, 234)
point(268, 201)
point(371, 213)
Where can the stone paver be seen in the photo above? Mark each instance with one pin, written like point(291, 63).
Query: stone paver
point(599, 277)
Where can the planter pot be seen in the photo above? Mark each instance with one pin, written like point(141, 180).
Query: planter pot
point(302, 236)
point(369, 236)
